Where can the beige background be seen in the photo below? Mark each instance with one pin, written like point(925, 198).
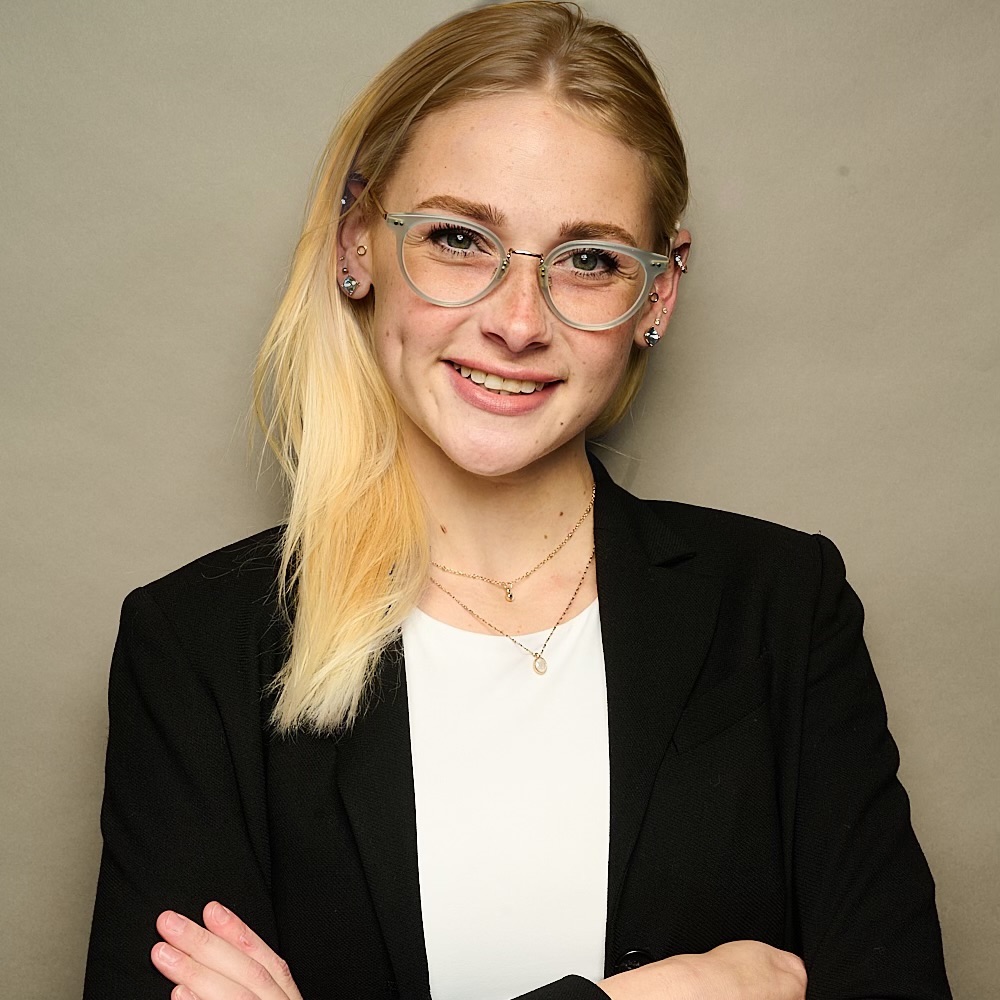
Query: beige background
point(834, 363)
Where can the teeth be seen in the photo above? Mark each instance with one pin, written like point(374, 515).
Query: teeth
point(496, 383)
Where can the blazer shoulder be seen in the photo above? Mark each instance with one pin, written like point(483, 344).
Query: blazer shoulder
point(735, 543)
point(242, 570)
point(216, 602)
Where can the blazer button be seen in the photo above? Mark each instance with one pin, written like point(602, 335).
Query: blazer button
point(634, 959)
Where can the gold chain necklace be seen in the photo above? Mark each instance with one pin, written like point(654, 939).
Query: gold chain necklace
point(538, 663)
point(507, 585)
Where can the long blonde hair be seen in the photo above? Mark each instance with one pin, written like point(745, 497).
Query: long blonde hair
point(355, 554)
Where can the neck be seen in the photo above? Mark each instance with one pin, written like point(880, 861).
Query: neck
point(500, 526)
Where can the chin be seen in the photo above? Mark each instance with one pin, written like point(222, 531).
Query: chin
point(490, 465)
point(500, 455)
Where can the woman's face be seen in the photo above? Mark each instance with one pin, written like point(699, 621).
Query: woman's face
point(536, 176)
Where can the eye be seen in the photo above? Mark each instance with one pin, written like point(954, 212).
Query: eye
point(456, 238)
point(587, 260)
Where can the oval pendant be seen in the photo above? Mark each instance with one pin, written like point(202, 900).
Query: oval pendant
point(539, 665)
point(509, 596)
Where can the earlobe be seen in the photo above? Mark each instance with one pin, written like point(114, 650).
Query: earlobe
point(355, 277)
point(353, 271)
point(656, 316)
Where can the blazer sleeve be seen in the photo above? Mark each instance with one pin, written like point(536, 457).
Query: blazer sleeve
point(175, 812)
point(865, 895)
point(183, 803)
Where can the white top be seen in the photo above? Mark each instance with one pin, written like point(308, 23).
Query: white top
point(511, 778)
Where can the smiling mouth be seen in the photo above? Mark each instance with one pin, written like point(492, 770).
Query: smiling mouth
point(496, 383)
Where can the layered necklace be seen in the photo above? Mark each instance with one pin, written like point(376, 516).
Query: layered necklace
point(538, 663)
point(507, 586)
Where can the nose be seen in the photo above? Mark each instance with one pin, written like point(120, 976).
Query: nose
point(518, 315)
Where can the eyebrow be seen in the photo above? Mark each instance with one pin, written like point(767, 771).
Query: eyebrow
point(596, 231)
point(491, 217)
point(478, 211)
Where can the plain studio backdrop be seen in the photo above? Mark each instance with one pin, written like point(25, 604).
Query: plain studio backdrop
point(833, 364)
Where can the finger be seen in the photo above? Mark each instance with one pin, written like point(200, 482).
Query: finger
point(212, 968)
point(230, 928)
point(184, 970)
point(202, 982)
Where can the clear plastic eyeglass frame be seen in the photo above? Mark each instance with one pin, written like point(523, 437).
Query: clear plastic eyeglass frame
point(652, 263)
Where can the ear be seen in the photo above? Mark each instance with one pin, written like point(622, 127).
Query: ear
point(354, 247)
point(665, 288)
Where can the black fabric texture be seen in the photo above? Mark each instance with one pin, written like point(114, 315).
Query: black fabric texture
point(753, 777)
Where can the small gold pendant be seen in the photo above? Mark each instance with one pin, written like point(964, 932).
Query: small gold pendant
point(509, 595)
point(539, 665)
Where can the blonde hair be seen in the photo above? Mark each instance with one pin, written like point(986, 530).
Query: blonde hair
point(355, 554)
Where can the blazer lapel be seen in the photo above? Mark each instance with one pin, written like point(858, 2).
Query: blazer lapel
point(657, 619)
point(375, 776)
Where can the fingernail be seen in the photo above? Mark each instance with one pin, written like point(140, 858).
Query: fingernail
point(173, 922)
point(221, 914)
point(169, 955)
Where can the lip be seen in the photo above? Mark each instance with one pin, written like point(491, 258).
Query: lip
point(524, 374)
point(514, 405)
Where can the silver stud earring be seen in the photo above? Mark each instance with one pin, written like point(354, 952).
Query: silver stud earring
point(679, 261)
point(651, 336)
point(350, 285)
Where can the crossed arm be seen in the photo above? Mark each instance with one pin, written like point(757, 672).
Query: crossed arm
point(226, 960)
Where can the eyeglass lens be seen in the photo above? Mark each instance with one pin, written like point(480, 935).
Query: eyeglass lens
point(453, 264)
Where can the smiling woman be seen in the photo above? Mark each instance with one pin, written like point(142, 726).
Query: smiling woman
point(476, 722)
point(551, 314)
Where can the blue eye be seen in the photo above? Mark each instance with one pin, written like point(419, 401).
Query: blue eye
point(587, 260)
point(455, 238)
point(458, 240)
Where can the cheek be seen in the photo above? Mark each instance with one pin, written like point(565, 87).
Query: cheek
point(610, 362)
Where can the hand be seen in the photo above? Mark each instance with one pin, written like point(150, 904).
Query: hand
point(739, 970)
point(224, 960)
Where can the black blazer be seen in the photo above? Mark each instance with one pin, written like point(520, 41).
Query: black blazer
point(753, 779)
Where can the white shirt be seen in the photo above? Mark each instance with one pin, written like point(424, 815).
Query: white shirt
point(511, 781)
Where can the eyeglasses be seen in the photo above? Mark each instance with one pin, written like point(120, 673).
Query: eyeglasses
point(588, 284)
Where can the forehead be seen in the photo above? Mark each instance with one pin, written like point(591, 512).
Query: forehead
point(539, 165)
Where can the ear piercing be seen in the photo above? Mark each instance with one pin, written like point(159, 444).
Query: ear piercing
point(350, 283)
point(652, 336)
point(679, 261)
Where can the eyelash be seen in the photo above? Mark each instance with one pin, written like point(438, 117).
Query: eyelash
point(474, 237)
point(610, 261)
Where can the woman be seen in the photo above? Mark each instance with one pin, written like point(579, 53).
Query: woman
point(477, 722)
